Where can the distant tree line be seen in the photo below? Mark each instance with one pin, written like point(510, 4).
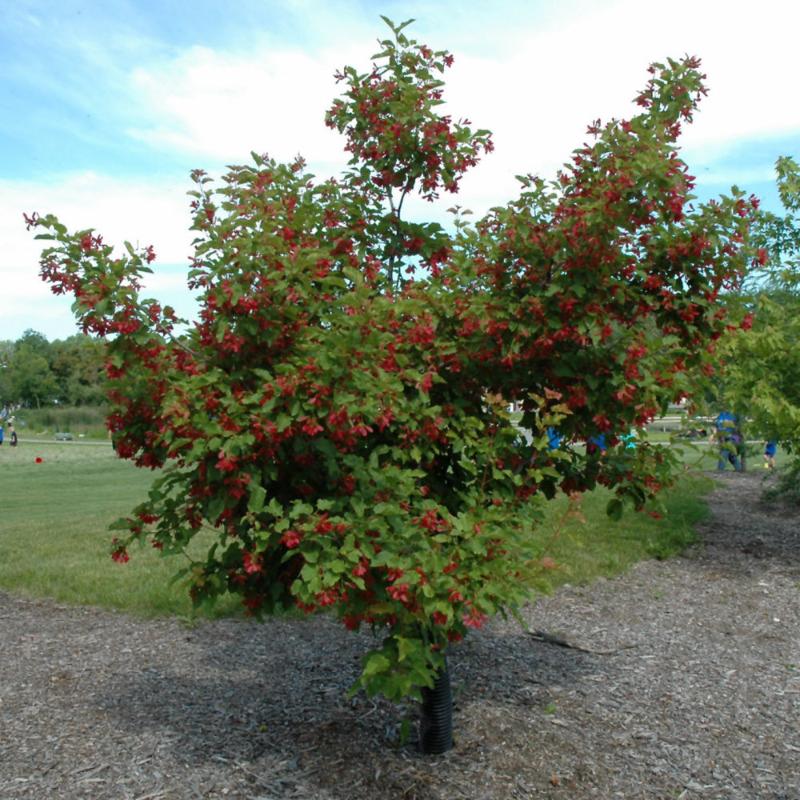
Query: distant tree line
point(35, 372)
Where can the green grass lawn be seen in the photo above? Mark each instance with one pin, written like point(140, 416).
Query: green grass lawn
point(586, 544)
point(54, 538)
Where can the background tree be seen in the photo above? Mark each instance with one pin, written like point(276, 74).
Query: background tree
point(6, 352)
point(78, 365)
point(36, 372)
point(30, 379)
point(762, 367)
point(34, 343)
point(333, 415)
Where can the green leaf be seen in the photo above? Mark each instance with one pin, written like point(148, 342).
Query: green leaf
point(355, 275)
point(376, 663)
point(357, 505)
point(337, 566)
point(405, 647)
point(258, 495)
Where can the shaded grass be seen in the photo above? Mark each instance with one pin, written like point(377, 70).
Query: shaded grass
point(585, 543)
point(54, 538)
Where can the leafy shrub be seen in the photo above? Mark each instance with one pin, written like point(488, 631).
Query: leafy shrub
point(338, 414)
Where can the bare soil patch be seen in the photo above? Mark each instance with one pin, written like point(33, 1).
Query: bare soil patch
point(693, 691)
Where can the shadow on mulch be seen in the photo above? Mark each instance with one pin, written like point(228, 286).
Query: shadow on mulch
point(275, 694)
point(289, 700)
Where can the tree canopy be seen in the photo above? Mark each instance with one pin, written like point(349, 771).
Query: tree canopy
point(762, 367)
point(36, 372)
point(338, 415)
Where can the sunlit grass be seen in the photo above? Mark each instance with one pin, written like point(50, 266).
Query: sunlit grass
point(54, 538)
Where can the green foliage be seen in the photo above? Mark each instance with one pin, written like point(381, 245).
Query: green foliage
point(762, 373)
point(86, 420)
point(338, 416)
point(35, 372)
point(78, 364)
point(30, 380)
point(787, 486)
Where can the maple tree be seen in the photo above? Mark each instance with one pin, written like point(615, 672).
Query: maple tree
point(338, 412)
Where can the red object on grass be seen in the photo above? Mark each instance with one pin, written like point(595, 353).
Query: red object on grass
point(39, 459)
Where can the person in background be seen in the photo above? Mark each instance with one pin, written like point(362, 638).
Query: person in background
point(770, 448)
point(729, 439)
point(12, 436)
point(1, 434)
point(739, 454)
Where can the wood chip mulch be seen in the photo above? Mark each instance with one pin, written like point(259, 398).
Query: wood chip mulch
point(687, 686)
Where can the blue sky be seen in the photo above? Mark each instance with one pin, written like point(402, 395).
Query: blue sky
point(105, 107)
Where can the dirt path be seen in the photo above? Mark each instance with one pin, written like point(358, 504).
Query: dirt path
point(700, 697)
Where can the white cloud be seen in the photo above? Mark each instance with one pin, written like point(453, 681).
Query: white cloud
point(540, 95)
point(142, 212)
point(536, 88)
point(223, 105)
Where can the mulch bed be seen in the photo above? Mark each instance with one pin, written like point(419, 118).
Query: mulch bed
point(688, 686)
